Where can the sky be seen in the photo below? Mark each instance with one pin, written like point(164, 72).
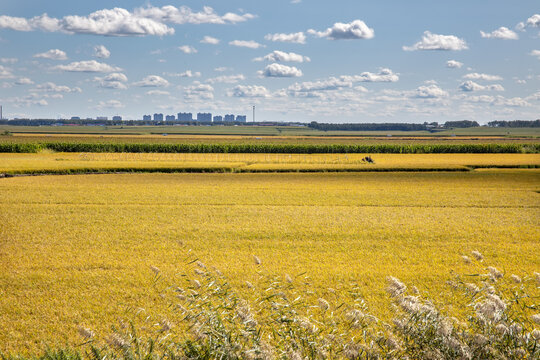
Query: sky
point(295, 60)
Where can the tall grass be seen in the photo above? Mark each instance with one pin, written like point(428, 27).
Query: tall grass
point(208, 319)
point(273, 148)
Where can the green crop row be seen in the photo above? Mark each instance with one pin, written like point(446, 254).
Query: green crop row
point(273, 148)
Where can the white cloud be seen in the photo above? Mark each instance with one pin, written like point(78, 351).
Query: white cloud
point(210, 40)
point(8, 60)
point(279, 70)
point(281, 56)
point(245, 43)
point(384, 75)
point(198, 91)
point(101, 52)
point(87, 66)
point(485, 77)
point(533, 21)
point(222, 69)
point(512, 102)
point(24, 81)
point(501, 33)
point(354, 30)
point(438, 42)
point(158, 92)
point(227, 79)
point(121, 22)
point(453, 64)
point(152, 81)
point(469, 86)
point(185, 74)
point(297, 38)
point(186, 49)
point(53, 54)
point(535, 53)
point(113, 81)
point(5, 73)
point(248, 91)
point(430, 92)
point(52, 87)
point(109, 104)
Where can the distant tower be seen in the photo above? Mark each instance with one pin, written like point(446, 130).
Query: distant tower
point(253, 113)
point(1, 114)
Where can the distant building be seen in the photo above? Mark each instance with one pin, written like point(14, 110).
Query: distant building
point(185, 117)
point(147, 117)
point(117, 118)
point(204, 117)
point(75, 118)
point(102, 118)
point(170, 118)
point(218, 118)
point(229, 118)
point(158, 117)
point(241, 118)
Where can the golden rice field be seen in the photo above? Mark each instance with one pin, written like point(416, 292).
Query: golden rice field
point(54, 162)
point(77, 250)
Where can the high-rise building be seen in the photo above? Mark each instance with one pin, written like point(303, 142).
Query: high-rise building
point(147, 117)
point(102, 118)
point(241, 118)
point(218, 118)
point(170, 118)
point(204, 117)
point(117, 118)
point(158, 117)
point(229, 118)
point(185, 117)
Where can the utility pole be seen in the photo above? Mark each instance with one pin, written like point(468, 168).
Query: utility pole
point(1, 113)
point(253, 113)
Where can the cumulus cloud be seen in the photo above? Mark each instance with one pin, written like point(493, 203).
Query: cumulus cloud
point(248, 91)
point(152, 81)
point(87, 66)
point(246, 43)
point(52, 87)
point(430, 92)
point(469, 86)
point(297, 38)
point(158, 92)
point(227, 79)
point(453, 64)
point(198, 91)
point(279, 70)
point(186, 49)
point(438, 42)
point(533, 21)
point(113, 81)
point(121, 22)
point(109, 104)
point(535, 53)
point(24, 81)
point(5, 73)
point(53, 54)
point(281, 56)
point(485, 77)
point(501, 33)
point(8, 60)
point(101, 52)
point(210, 40)
point(185, 74)
point(354, 30)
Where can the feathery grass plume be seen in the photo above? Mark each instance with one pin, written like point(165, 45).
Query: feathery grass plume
point(472, 288)
point(395, 287)
point(536, 318)
point(536, 334)
point(477, 255)
point(466, 259)
point(249, 285)
point(165, 325)
point(490, 309)
point(117, 341)
point(537, 277)
point(323, 304)
point(196, 283)
point(198, 271)
point(494, 273)
point(288, 278)
point(256, 260)
point(201, 265)
point(85, 332)
point(515, 278)
point(155, 270)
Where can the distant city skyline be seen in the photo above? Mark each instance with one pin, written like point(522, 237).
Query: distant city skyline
point(295, 60)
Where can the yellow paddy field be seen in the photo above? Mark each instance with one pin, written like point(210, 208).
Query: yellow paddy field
point(77, 250)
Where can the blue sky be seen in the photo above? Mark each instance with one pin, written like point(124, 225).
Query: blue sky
point(308, 60)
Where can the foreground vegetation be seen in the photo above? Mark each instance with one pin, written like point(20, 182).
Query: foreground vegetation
point(77, 251)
